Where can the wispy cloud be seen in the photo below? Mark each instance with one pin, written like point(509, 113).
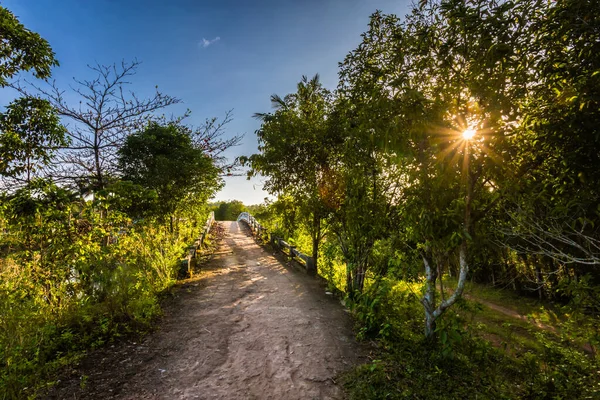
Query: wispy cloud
point(206, 42)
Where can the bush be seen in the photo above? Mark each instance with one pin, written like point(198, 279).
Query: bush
point(76, 275)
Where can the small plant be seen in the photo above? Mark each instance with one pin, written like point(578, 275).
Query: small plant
point(83, 381)
point(369, 310)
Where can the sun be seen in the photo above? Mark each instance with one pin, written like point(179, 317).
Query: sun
point(468, 133)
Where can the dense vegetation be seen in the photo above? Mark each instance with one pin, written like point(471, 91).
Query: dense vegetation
point(228, 210)
point(459, 151)
point(99, 201)
point(461, 145)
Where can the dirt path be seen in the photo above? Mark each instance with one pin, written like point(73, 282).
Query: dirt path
point(249, 328)
point(511, 313)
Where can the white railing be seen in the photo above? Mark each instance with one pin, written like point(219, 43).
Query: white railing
point(254, 225)
point(258, 230)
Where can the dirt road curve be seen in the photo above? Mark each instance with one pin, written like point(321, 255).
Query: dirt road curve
point(249, 328)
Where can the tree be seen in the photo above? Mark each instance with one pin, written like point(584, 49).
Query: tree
point(294, 151)
point(555, 212)
point(209, 137)
point(565, 239)
point(30, 132)
point(418, 84)
point(22, 50)
point(521, 79)
point(29, 128)
point(360, 191)
point(106, 114)
point(165, 159)
point(229, 210)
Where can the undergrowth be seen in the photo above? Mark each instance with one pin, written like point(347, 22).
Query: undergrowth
point(74, 291)
point(460, 362)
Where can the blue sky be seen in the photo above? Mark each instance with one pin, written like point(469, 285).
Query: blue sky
point(263, 47)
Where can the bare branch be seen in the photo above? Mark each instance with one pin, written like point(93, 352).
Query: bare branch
point(104, 117)
point(555, 238)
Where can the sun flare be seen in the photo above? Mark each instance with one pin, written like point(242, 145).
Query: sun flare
point(468, 134)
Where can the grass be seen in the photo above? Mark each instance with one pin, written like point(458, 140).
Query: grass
point(479, 353)
point(529, 316)
point(502, 296)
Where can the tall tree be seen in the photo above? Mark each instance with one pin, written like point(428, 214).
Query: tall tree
point(360, 191)
point(29, 127)
point(294, 151)
point(449, 68)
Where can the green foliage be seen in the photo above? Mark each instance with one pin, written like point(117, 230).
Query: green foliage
point(164, 159)
point(30, 129)
point(368, 308)
point(22, 50)
point(228, 210)
point(461, 364)
point(295, 147)
point(414, 371)
point(332, 266)
point(134, 200)
point(75, 274)
point(293, 142)
point(30, 132)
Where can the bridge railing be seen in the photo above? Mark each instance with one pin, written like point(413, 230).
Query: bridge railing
point(256, 228)
point(193, 249)
point(290, 250)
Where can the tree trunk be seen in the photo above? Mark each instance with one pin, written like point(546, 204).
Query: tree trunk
point(316, 239)
point(28, 167)
point(441, 276)
point(355, 277)
point(98, 167)
point(540, 281)
point(349, 280)
point(432, 313)
point(359, 278)
point(429, 297)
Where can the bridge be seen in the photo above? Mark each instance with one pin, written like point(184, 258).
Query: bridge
point(250, 326)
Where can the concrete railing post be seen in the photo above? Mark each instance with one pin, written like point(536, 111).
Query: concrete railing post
point(310, 266)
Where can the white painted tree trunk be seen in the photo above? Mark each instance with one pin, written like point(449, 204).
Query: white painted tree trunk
point(433, 311)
